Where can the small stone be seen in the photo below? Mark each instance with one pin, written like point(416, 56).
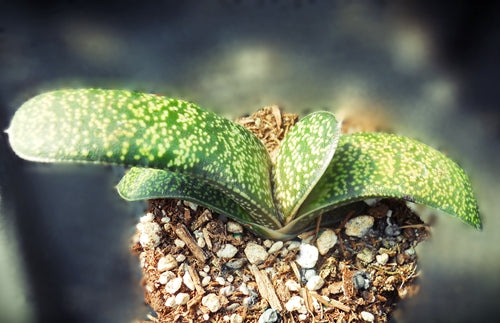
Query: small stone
point(302, 317)
point(267, 243)
point(361, 280)
point(201, 242)
point(308, 256)
point(326, 241)
point(167, 263)
point(181, 299)
point(220, 280)
point(308, 273)
point(296, 303)
point(188, 281)
point(244, 289)
point(180, 258)
point(315, 283)
point(392, 230)
point(192, 206)
point(230, 278)
point(235, 263)
point(234, 227)
point(366, 255)
point(170, 301)
point(292, 285)
point(179, 243)
point(165, 277)
point(232, 307)
point(270, 316)
point(173, 285)
point(256, 254)
point(205, 281)
point(150, 234)
point(293, 245)
point(276, 247)
point(212, 302)
point(382, 259)
point(359, 226)
point(367, 316)
point(236, 318)
point(206, 316)
point(227, 290)
point(251, 300)
point(227, 251)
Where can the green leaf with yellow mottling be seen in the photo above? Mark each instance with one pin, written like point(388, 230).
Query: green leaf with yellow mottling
point(385, 165)
point(137, 129)
point(302, 158)
point(149, 183)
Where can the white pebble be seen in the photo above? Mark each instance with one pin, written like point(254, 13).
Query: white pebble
point(256, 254)
point(206, 280)
point(308, 256)
point(315, 283)
point(236, 318)
point(267, 243)
point(212, 302)
point(206, 317)
point(359, 226)
point(192, 206)
point(179, 243)
point(206, 268)
point(227, 290)
point(326, 241)
point(181, 298)
point(165, 219)
point(234, 227)
point(201, 242)
point(180, 258)
point(165, 277)
point(367, 316)
point(148, 217)
point(292, 285)
point(167, 263)
point(382, 259)
point(244, 289)
point(230, 278)
point(296, 303)
point(150, 234)
point(220, 280)
point(302, 317)
point(188, 281)
point(276, 247)
point(173, 285)
point(170, 302)
point(293, 245)
point(227, 251)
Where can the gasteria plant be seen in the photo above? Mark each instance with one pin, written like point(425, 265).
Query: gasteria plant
point(179, 150)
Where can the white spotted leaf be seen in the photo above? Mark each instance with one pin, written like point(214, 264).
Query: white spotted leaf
point(303, 156)
point(137, 129)
point(369, 165)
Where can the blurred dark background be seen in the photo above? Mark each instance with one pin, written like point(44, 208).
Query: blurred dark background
point(428, 66)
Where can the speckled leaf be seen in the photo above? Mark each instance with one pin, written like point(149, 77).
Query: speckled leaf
point(149, 183)
point(303, 157)
point(385, 165)
point(137, 129)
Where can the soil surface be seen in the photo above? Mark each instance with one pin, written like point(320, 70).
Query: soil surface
point(198, 266)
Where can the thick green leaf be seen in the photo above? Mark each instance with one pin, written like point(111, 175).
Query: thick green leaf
point(149, 183)
point(137, 129)
point(384, 165)
point(302, 159)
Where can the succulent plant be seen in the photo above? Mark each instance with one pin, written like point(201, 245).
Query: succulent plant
point(178, 150)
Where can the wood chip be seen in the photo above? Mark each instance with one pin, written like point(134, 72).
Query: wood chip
point(332, 303)
point(265, 287)
point(182, 232)
point(196, 280)
point(206, 236)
